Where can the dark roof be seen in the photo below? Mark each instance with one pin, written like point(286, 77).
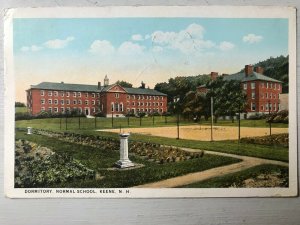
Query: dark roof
point(91, 88)
point(251, 77)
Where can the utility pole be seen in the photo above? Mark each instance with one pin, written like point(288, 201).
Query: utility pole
point(270, 125)
point(212, 117)
point(239, 122)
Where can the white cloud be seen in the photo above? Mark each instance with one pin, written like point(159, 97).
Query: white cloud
point(102, 47)
point(189, 40)
point(32, 48)
point(252, 38)
point(58, 43)
point(129, 48)
point(225, 46)
point(137, 37)
point(147, 36)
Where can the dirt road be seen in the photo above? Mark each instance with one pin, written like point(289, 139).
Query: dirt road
point(207, 174)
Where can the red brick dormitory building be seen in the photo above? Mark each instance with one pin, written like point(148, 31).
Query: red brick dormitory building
point(262, 92)
point(89, 99)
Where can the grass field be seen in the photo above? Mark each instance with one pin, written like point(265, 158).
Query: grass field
point(236, 179)
point(20, 109)
point(101, 160)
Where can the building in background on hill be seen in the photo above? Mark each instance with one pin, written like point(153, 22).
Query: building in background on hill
point(263, 93)
point(110, 100)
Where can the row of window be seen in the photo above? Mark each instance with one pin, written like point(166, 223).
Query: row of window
point(265, 107)
point(265, 95)
point(68, 94)
point(145, 110)
point(142, 97)
point(145, 103)
point(67, 109)
point(263, 84)
point(62, 102)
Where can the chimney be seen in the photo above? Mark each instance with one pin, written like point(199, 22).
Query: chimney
point(248, 70)
point(213, 75)
point(259, 69)
point(99, 85)
point(143, 85)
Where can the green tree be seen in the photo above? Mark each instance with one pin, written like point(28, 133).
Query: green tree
point(19, 104)
point(228, 97)
point(194, 104)
point(124, 84)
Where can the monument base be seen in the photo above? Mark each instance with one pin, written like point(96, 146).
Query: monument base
point(124, 164)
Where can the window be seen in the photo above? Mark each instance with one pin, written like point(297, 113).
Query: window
point(149, 103)
point(86, 102)
point(112, 107)
point(128, 97)
point(80, 110)
point(62, 102)
point(93, 95)
point(262, 84)
point(274, 86)
point(270, 106)
point(68, 94)
point(116, 95)
point(56, 110)
point(49, 101)
point(279, 86)
point(94, 109)
point(139, 104)
point(133, 96)
point(270, 95)
point(271, 85)
point(252, 85)
point(98, 102)
point(93, 102)
point(62, 94)
point(74, 102)
point(117, 107)
point(86, 95)
point(79, 102)
point(274, 107)
point(50, 109)
point(49, 93)
point(55, 94)
point(121, 107)
point(253, 95)
point(139, 97)
point(252, 106)
point(150, 97)
point(42, 101)
point(133, 103)
point(42, 93)
point(79, 94)
point(262, 108)
point(68, 109)
point(161, 110)
point(161, 104)
point(98, 95)
point(55, 101)
point(42, 109)
point(74, 94)
point(68, 102)
point(62, 109)
point(147, 97)
point(142, 103)
point(266, 95)
point(267, 106)
point(267, 85)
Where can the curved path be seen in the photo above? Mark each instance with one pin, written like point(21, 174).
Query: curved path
point(210, 173)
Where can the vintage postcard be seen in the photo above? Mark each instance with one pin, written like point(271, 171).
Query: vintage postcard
point(149, 102)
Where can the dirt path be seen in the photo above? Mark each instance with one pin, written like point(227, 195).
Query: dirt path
point(203, 133)
point(210, 173)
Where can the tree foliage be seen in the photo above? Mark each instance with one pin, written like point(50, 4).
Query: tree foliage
point(19, 104)
point(124, 84)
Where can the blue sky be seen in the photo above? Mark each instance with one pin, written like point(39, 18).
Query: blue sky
point(136, 49)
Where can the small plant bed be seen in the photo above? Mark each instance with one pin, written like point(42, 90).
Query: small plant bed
point(274, 139)
point(262, 176)
point(37, 166)
point(162, 154)
point(99, 158)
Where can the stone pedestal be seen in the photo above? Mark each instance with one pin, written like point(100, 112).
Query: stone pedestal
point(124, 161)
point(29, 130)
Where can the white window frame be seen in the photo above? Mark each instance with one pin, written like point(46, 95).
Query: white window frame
point(42, 93)
point(49, 101)
point(79, 94)
point(74, 94)
point(49, 93)
point(86, 102)
point(55, 101)
point(252, 85)
point(62, 102)
point(67, 94)
point(55, 93)
point(43, 101)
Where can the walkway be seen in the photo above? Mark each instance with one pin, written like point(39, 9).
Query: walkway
point(215, 172)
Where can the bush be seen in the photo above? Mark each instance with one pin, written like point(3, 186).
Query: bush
point(19, 104)
point(257, 116)
point(279, 117)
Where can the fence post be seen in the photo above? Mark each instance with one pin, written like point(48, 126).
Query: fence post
point(128, 121)
point(60, 122)
point(79, 122)
point(140, 121)
point(153, 120)
point(66, 122)
point(166, 121)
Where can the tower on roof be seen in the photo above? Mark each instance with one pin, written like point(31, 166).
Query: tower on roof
point(106, 81)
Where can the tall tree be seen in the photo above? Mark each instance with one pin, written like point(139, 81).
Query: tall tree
point(124, 84)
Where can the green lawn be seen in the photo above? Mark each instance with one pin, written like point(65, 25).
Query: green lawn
point(236, 179)
point(99, 160)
